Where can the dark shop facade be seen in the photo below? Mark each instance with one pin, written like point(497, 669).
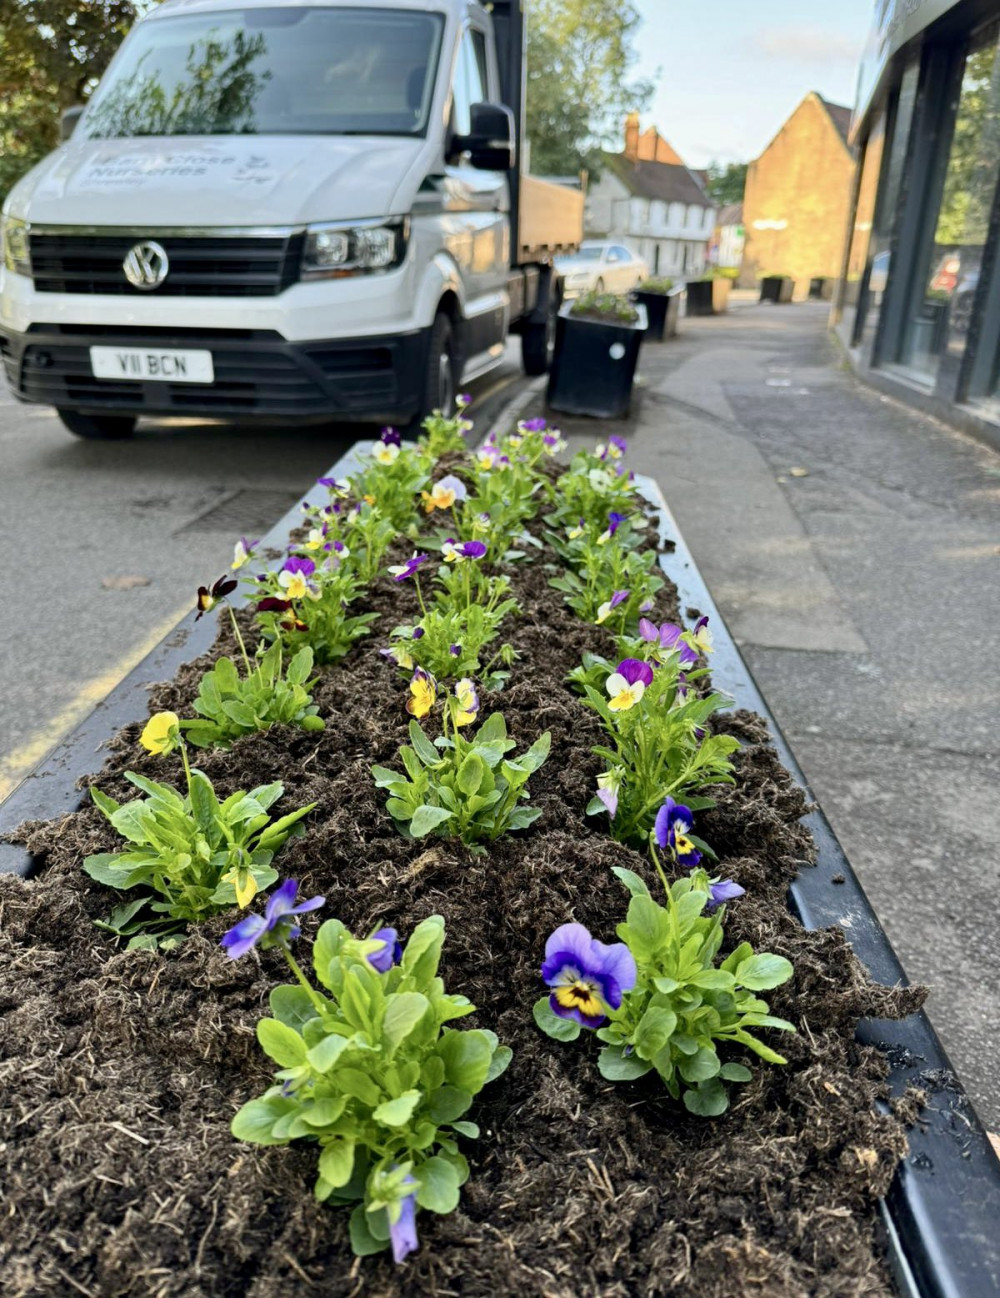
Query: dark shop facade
point(919, 301)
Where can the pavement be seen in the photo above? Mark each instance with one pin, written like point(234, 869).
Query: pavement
point(853, 547)
point(105, 543)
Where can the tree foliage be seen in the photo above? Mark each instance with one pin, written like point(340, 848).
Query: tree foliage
point(51, 54)
point(580, 54)
point(726, 183)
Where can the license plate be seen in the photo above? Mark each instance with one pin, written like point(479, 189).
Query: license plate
point(148, 364)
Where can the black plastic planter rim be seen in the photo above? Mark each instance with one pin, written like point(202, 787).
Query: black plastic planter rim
point(942, 1212)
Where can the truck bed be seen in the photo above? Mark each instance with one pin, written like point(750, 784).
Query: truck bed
point(550, 219)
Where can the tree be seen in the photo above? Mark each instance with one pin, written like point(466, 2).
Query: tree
point(580, 53)
point(726, 183)
point(52, 53)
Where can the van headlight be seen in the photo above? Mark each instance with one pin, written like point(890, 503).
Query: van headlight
point(341, 248)
point(16, 250)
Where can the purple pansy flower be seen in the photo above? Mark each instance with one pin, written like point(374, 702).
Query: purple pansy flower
point(403, 1231)
point(634, 669)
point(401, 571)
point(276, 927)
point(673, 824)
point(391, 437)
point(669, 637)
point(390, 952)
point(617, 597)
point(723, 890)
point(608, 785)
point(533, 425)
point(615, 521)
point(585, 976)
point(455, 650)
point(418, 632)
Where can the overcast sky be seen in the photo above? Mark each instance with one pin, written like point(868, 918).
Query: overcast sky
point(731, 71)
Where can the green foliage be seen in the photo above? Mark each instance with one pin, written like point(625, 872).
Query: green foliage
point(589, 490)
point(604, 569)
point(656, 285)
point(471, 629)
point(372, 1074)
point(659, 748)
point(462, 788)
point(607, 308)
point(726, 183)
point(442, 435)
point(683, 1006)
point(579, 88)
point(230, 705)
point(321, 621)
point(194, 853)
point(392, 488)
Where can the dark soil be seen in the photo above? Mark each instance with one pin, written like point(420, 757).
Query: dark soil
point(120, 1072)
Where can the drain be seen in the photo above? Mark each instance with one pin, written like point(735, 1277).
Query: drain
point(249, 512)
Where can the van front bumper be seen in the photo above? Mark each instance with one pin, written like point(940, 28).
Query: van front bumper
point(259, 374)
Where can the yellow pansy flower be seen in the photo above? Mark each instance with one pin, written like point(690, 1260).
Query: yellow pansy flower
point(161, 732)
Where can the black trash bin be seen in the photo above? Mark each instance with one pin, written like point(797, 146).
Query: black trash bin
point(776, 288)
point(594, 364)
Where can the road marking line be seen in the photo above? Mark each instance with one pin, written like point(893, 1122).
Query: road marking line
point(16, 765)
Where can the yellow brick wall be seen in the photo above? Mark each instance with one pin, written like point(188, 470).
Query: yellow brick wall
point(803, 178)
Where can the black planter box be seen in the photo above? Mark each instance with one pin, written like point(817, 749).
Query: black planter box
point(662, 310)
point(594, 365)
point(707, 296)
point(776, 288)
point(942, 1211)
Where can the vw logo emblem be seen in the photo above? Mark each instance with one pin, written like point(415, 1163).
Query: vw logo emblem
point(146, 265)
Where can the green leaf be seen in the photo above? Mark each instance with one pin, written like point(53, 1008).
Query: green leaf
point(654, 1030)
point(384, 778)
point(537, 753)
point(281, 1043)
point(226, 675)
point(324, 1113)
point(254, 1121)
point(324, 1054)
point(467, 1057)
point(273, 837)
point(494, 727)
point(502, 1055)
point(239, 712)
point(617, 1067)
point(402, 1014)
point(300, 666)
point(422, 952)
point(423, 747)
point(397, 1112)
point(470, 774)
point(700, 1066)
point(761, 972)
point(336, 1162)
point(204, 803)
point(106, 804)
point(466, 1129)
point(649, 925)
point(426, 818)
point(713, 980)
point(766, 1053)
point(629, 878)
point(554, 1025)
point(291, 1005)
point(448, 1103)
point(352, 1081)
point(363, 1242)
point(732, 962)
point(735, 1073)
point(107, 868)
point(438, 1185)
point(708, 1100)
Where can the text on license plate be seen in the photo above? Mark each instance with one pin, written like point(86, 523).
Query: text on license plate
point(163, 365)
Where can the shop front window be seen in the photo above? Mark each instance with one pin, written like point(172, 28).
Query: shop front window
point(941, 308)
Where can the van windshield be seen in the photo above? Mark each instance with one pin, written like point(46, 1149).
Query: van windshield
point(295, 70)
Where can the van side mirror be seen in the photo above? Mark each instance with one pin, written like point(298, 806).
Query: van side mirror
point(68, 121)
point(490, 142)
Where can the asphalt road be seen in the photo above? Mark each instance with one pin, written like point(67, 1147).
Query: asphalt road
point(105, 544)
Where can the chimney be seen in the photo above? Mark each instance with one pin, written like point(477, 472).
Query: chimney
point(632, 136)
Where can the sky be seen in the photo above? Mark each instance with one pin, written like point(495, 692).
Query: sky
point(731, 71)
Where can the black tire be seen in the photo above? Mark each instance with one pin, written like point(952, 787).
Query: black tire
point(97, 428)
point(599, 286)
point(538, 340)
point(441, 379)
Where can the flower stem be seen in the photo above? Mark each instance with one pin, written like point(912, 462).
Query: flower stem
point(320, 1002)
point(239, 638)
point(420, 597)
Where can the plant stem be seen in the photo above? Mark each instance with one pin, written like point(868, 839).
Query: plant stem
point(420, 597)
point(239, 638)
point(320, 1002)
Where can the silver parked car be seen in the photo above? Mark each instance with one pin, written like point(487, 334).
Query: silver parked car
point(603, 266)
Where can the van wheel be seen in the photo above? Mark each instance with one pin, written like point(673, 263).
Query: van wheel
point(538, 341)
point(441, 381)
point(97, 428)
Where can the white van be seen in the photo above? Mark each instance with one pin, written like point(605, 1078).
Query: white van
point(285, 210)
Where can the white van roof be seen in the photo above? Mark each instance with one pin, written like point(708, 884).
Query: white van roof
point(170, 7)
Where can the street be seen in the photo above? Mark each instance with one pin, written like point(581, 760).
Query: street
point(105, 543)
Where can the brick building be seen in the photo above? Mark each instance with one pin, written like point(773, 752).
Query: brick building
point(797, 198)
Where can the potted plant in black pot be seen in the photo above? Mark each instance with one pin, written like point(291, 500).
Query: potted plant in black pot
point(597, 346)
point(710, 294)
point(661, 298)
point(776, 288)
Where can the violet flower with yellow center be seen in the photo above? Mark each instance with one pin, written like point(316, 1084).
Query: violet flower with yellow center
point(209, 596)
point(586, 977)
point(161, 733)
point(668, 637)
point(458, 551)
point(627, 684)
point(294, 578)
point(242, 552)
point(423, 694)
point(674, 823)
point(614, 522)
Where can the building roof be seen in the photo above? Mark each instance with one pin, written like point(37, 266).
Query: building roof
point(660, 180)
point(839, 115)
point(731, 214)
